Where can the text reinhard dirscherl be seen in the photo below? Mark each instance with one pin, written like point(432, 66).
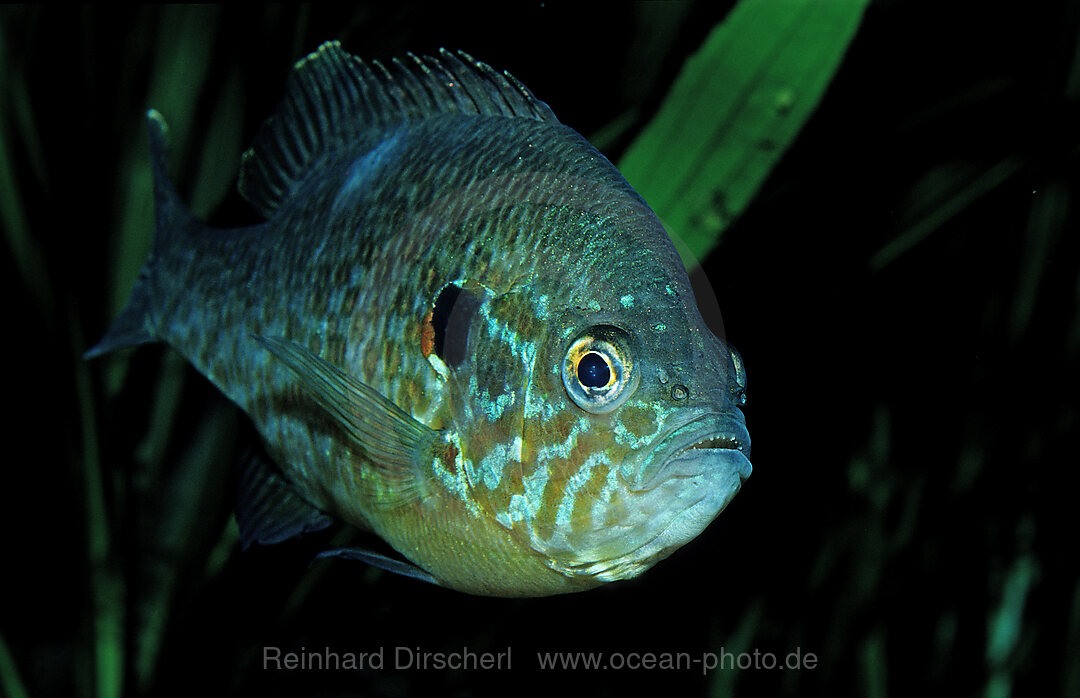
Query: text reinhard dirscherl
point(401, 658)
point(417, 659)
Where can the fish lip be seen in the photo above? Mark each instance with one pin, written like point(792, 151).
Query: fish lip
point(691, 444)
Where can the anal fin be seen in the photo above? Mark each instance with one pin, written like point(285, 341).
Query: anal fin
point(268, 509)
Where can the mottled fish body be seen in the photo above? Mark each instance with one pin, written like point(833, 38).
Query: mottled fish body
point(459, 328)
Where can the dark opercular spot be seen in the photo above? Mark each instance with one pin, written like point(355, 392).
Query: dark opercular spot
point(451, 317)
point(593, 371)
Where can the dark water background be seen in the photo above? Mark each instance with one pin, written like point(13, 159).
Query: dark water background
point(904, 291)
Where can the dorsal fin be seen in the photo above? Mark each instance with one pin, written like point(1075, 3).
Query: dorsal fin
point(333, 97)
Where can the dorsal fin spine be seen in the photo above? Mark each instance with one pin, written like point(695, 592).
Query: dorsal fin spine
point(334, 98)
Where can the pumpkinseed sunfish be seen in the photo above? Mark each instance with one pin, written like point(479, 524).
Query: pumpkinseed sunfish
point(459, 328)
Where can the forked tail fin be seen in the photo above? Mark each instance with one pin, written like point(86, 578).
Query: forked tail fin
point(136, 323)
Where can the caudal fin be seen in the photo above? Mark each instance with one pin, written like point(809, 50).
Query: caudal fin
point(136, 324)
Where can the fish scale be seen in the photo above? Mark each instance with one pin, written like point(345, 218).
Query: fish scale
point(490, 467)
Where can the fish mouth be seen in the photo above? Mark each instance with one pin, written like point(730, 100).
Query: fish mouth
point(681, 486)
point(718, 442)
point(704, 443)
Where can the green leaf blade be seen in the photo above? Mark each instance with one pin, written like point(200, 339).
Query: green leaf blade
point(735, 108)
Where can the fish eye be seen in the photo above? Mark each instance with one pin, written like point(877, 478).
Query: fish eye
point(598, 371)
point(594, 370)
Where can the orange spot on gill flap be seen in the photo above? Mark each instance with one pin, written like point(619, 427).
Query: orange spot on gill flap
point(427, 335)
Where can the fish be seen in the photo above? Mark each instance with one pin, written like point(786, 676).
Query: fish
point(458, 327)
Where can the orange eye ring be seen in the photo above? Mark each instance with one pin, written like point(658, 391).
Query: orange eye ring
point(598, 370)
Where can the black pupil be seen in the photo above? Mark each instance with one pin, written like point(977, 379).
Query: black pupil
point(593, 371)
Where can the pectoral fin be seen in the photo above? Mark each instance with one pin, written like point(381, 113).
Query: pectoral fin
point(396, 444)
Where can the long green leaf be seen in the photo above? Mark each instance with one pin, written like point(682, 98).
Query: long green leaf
point(19, 130)
point(11, 683)
point(107, 584)
point(734, 109)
